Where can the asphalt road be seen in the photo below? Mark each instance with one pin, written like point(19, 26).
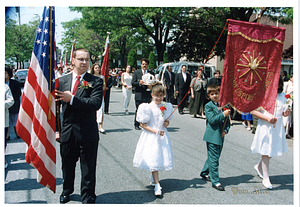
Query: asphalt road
point(118, 182)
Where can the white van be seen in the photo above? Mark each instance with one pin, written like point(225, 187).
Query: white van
point(191, 67)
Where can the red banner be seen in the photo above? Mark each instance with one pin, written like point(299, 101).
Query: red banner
point(252, 66)
point(105, 63)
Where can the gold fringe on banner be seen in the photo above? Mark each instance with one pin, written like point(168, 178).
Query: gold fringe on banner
point(255, 40)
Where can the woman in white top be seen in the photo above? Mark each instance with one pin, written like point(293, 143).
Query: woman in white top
point(126, 87)
point(96, 71)
point(8, 102)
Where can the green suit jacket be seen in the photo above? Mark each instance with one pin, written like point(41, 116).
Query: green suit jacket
point(214, 124)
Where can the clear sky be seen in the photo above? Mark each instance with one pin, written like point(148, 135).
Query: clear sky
point(62, 14)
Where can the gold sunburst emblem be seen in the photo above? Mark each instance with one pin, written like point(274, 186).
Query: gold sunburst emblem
point(251, 66)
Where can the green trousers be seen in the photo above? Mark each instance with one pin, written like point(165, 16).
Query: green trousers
point(211, 166)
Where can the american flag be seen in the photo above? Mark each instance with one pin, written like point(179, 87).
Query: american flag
point(36, 120)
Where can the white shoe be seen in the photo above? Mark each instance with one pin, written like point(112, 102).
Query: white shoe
point(249, 128)
point(102, 131)
point(268, 185)
point(126, 112)
point(157, 190)
point(259, 174)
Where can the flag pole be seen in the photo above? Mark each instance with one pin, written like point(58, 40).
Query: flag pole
point(50, 66)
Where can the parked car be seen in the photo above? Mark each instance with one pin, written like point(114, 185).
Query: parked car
point(191, 67)
point(21, 76)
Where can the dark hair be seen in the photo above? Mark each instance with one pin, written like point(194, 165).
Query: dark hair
point(146, 60)
point(183, 65)
point(213, 88)
point(157, 88)
point(280, 85)
point(59, 68)
point(217, 71)
point(9, 72)
point(93, 67)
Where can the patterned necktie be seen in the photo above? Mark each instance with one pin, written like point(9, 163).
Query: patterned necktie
point(76, 84)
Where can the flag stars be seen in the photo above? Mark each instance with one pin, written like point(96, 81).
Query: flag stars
point(46, 31)
point(45, 43)
point(39, 30)
point(47, 19)
point(44, 54)
point(38, 42)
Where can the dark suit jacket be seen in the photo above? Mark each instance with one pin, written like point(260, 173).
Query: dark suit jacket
point(141, 93)
point(214, 124)
point(80, 117)
point(16, 92)
point(166, 79)
point(180, 85)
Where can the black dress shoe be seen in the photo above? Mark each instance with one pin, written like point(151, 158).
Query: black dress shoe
point(181, 113)
point(206, 177)
point(137, 128)
point(64, 198)
point(219, 187)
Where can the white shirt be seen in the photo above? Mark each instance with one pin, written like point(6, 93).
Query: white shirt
point(184, 76)
point(74, 78)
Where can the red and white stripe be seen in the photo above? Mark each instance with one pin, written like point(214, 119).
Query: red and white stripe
point(35, 128)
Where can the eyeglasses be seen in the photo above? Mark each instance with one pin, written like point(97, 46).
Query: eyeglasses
point(83, 59)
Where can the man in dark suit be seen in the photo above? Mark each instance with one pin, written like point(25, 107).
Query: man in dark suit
point(169, 80)
point(81, 96)
point(16, 92)
point(142, 93)
point(182, 85)
point(216, 80)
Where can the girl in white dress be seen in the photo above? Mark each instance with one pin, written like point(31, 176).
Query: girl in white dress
point(96, 71)
point(126, 87)
point(154, 150)
point(269, 139)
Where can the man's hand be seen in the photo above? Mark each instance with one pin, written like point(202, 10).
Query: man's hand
point(63, 96)
point(141, 82)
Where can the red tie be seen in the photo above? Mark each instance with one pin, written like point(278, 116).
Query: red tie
point(76, 84)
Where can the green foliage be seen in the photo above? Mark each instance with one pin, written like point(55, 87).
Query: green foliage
point(166, 58)
point(152, 60)
point(19, 41)
point(132, 58)
point(84, 38)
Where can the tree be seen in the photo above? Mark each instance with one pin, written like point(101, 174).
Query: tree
point(153, 23)
point(19, 41)
point(132, 60)
point(199, 31)
point(152, 60)
point(166, 58)
point(85, 38)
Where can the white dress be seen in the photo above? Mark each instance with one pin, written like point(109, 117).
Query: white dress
point(153, 152)
point(100, 117)
point(127, 93)
point(267, 139)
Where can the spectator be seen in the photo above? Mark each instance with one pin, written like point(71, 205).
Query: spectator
point(16, 92)
point(169, 80)
point(215, 80)
point(198, 91)
point(182, 85)
point(8, 102)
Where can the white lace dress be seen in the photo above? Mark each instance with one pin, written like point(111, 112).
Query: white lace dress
point(267, 139)
point(153, 152)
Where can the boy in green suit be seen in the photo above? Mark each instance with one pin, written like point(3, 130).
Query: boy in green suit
point(214, 136)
